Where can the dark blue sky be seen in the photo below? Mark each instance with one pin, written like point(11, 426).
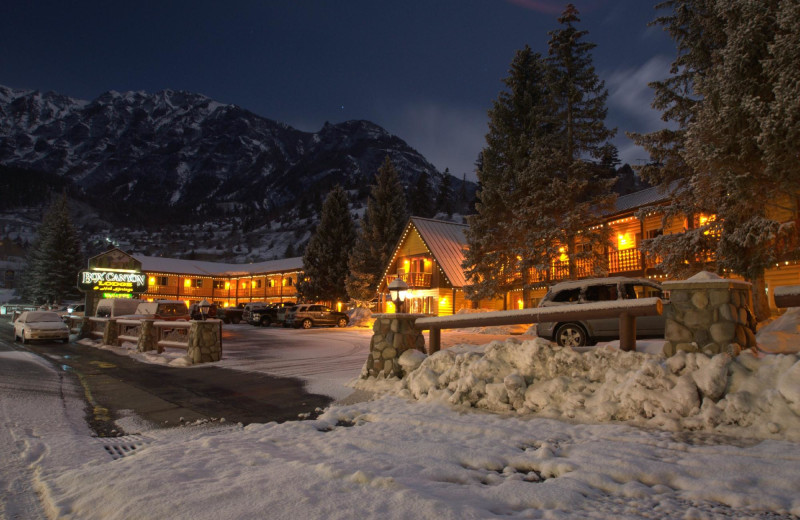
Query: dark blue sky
point(426, 70)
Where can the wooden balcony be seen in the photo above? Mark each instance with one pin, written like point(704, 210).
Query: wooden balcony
point(414, 280)
point(625, 260)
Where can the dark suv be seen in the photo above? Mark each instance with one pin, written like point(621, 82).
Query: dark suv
point(266, 316)
point(311, 315)
point(580, 333)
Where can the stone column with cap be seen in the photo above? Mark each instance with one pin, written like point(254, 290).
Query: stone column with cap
point(708, 314)
point(393, 335)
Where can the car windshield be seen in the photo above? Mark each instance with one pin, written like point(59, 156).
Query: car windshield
point(38, 317)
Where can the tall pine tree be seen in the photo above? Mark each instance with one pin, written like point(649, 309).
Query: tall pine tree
point(727, 96)
point(444, 198)
point(518, 118)
point(55, 257)
point(580, 146)
point(325, 258)
point(381, 227)
point(421, 202)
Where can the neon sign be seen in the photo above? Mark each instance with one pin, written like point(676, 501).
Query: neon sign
point(109, 281)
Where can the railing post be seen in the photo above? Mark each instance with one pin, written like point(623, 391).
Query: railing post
point(434, 340)
point(627, 332)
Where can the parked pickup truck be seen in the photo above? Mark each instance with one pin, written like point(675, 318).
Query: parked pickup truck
point(231, 314)
point(268, 315)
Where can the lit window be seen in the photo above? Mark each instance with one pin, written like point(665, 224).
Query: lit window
point(625, 241)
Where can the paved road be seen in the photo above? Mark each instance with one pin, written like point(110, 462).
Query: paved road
point(163, 395)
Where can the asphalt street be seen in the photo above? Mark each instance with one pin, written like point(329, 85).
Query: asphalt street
point(164, 396)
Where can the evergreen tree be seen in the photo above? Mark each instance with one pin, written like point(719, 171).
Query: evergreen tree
point(444, 199)
point(380, 230)
point(736, 62)
point(55, 257)
point(420, 201)
point(580, 159)
point(325, 258)
point(518, 118)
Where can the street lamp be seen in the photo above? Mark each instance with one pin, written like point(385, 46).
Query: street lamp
point(398, 289)
point(204, 306)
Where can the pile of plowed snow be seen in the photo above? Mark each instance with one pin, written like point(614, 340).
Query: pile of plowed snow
point(752, 395)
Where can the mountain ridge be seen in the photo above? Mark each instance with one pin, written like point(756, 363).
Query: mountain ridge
point(180, 154)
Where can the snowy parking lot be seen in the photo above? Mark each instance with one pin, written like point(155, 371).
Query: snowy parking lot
point(448, 443)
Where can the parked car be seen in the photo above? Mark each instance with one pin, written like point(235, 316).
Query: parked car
point(282, 312)
point(196, 313)
point(161, 310)
point(231, 314)
point(248, 308)
point(34, 325)
point(115, 307)
point(72, 310)
point(312, 315)
point(579, 333)
point(266, 316)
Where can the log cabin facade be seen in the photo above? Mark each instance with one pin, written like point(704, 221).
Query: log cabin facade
point(429, 255)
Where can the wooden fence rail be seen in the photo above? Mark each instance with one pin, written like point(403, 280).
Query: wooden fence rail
point(625, 310)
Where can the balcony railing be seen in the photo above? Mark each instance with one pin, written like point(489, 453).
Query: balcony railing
point(414, 280)
point(624, 260)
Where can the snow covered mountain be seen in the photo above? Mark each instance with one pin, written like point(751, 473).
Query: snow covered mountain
point(148, 157)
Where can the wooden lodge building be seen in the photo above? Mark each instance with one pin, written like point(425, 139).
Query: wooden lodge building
point(223, 284)
point(429, 255)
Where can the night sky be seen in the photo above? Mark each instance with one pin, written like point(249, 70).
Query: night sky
point(426, 70)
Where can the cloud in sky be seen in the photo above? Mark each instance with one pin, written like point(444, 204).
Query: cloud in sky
point(629, 100)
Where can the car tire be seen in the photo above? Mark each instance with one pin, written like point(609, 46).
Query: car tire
point(265, 321)
point(307, 324)
point(342, 322)
point(571, 335)
point(235, 321)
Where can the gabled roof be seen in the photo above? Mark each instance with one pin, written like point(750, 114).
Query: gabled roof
point(203, 268)
point(446, 241)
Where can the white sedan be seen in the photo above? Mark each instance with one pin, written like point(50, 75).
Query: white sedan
point(40, 325)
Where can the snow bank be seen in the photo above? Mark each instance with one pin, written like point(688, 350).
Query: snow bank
point(748, 396)
point(782, 336)
point(360, 317)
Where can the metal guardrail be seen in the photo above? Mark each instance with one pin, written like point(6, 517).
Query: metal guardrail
point(625, 310)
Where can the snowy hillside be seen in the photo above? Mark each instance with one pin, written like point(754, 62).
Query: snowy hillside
point(160, 157)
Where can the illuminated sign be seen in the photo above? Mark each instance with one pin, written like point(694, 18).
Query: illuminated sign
point(108, 281)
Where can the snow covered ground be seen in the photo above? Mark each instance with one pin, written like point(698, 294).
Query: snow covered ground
point(515, 428)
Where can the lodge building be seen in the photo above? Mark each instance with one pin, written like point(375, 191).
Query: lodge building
point(223, 284)
point(429, 255)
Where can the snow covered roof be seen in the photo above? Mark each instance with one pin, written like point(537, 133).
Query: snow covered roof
point(446, 241)
point(644, 197)
point(203, 268)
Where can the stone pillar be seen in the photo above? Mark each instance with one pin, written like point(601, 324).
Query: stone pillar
point(148, 339)
point(708, 314)
point(205, 341)
point(110, 332)
point(85, 329)
point(393, 335)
